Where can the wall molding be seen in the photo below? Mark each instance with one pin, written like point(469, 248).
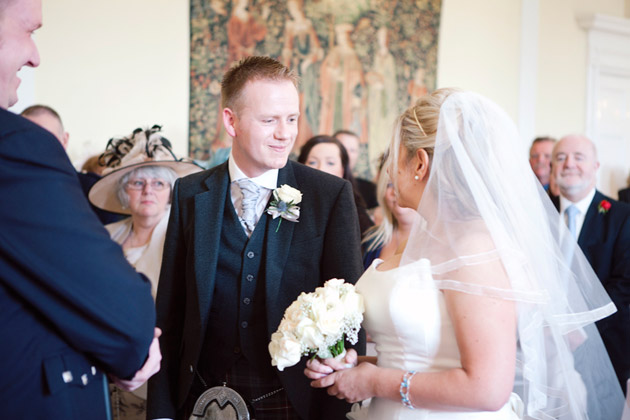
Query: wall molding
point(605, 23)
point(607, 93)
point(608, 54)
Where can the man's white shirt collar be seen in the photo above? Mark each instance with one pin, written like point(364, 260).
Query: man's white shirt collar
point(267, 180)
point(582, 207)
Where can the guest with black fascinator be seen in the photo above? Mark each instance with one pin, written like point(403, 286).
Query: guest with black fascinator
point(139, 176)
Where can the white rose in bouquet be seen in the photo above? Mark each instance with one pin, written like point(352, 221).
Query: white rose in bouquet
point(330, 294)
point(317, 324)
point(286, 349)
point(328, 317)
point(351, 302)
point(310, 335)
point(293, 313)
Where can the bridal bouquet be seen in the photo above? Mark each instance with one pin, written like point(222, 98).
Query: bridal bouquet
point(317, 323)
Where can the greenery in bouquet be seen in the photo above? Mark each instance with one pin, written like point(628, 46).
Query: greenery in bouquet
point(317, 323)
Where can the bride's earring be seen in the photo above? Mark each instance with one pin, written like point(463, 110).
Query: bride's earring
point(416, 177)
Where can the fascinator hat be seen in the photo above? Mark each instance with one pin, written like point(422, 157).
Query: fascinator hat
point(482, 205)
point(144, 147)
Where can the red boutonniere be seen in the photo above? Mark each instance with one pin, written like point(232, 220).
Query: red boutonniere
point(603, 206)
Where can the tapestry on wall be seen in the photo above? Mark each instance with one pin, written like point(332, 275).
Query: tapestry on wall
point(360, 63)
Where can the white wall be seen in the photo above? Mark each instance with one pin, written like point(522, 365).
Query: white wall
point(109, 67)
point(479, 49)
point(561, 90)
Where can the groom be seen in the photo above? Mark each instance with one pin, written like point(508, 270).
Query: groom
point(230, 270)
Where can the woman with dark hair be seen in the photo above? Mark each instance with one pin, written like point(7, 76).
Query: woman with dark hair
point(327, 154)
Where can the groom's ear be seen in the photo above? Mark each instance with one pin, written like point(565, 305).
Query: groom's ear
point(422, 164)
point(229, 121)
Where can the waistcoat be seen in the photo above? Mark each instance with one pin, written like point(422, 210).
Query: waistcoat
point(237, 325)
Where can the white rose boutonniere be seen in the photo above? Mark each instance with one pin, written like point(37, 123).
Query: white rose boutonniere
point(285, 204)
point(317, 324)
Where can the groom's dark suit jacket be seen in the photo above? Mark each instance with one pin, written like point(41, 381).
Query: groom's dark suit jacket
point(70, 304)
point(605, 241)
point(323, 244)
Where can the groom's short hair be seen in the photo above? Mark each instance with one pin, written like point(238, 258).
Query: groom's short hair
point(250, 69)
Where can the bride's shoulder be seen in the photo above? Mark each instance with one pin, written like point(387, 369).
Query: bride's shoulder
point(475, 240)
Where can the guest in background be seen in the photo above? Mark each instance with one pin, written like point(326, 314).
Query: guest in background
point(366, 188)
point(139, 183)
point(46, 117)
point(540, 158)
point(601, 226)
point(328, 155)
point(624, 194)
point(553, 191)
point(217, 157)
point(390, 236)
point(92, 165)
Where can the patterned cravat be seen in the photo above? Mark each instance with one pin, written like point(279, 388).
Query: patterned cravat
point(251, 192)
point(571, 212)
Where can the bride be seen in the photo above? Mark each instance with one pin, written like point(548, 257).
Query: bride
point(489, 311)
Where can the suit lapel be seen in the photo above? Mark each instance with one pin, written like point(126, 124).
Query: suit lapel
point(277, 247)
point(593, 223)
point(209, 208)
point(556, 202)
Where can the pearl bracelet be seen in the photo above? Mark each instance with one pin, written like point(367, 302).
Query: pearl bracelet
point(404, 388)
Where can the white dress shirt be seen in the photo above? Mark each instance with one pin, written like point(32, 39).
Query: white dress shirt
point(268, 182)
point(582, 207)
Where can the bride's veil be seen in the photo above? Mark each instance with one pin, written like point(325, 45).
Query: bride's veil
point(483, 205)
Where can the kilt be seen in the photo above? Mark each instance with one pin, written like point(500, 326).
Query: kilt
point(263, 393)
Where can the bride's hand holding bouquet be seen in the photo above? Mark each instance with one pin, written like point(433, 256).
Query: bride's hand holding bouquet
point(317, 324)
point(317, 368)
point(350, 379)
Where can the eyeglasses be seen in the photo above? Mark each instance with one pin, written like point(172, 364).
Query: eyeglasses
point(139, 184)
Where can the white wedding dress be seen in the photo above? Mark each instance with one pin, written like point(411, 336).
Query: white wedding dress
point(407, 318)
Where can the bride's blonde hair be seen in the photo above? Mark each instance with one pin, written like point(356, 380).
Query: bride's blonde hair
point(417, 126)
point(417, 129)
